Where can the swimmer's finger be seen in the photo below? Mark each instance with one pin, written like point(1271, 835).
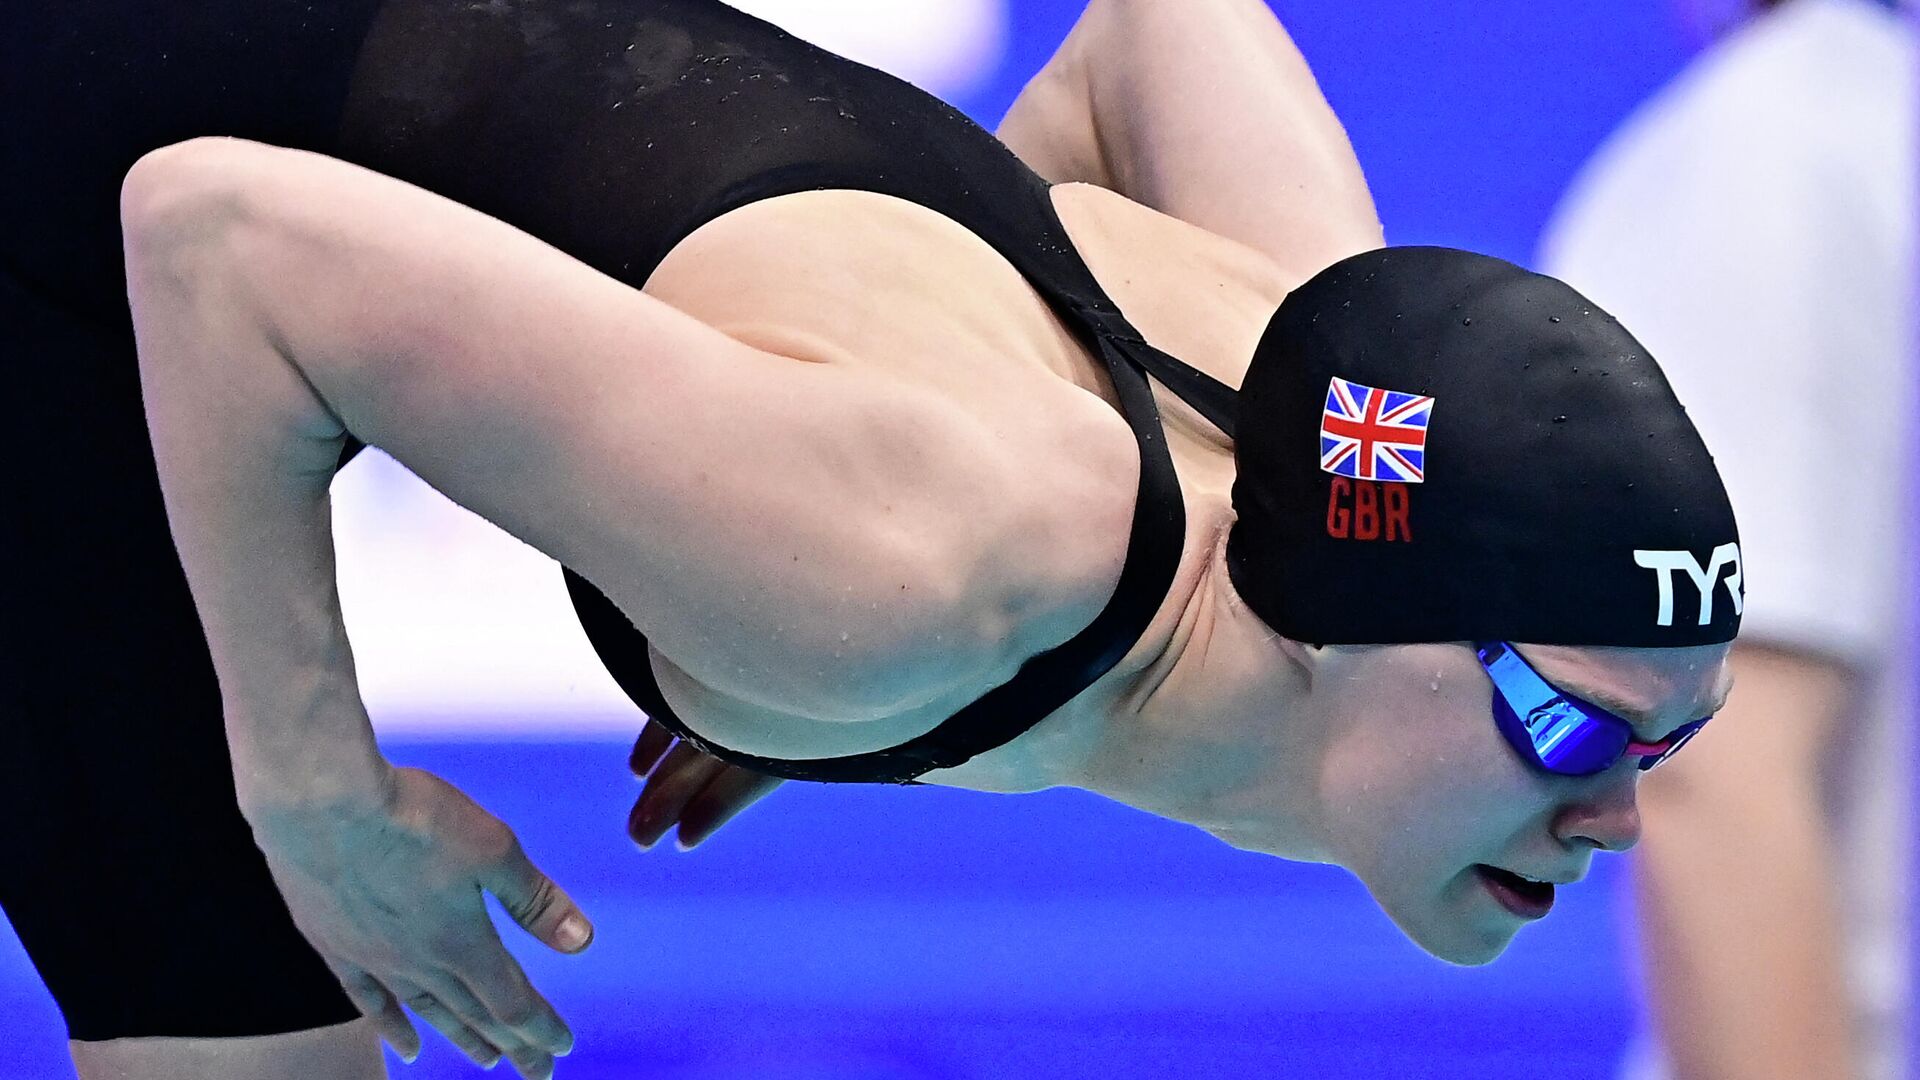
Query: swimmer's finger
point(677, 779)
point(382, 1009)
point(720, 801)
point(498, 993)
point(647, 749)
point(506, 1025)
point(446, 1022)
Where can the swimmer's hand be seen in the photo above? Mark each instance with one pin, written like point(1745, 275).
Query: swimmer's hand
point(687, 787)
point(390, 892)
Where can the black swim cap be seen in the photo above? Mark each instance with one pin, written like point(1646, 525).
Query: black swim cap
point(1435, 445)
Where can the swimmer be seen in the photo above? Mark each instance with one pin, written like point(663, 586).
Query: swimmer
point(846, 425)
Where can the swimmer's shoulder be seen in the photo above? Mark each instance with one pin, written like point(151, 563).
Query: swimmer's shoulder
point(1043, 570)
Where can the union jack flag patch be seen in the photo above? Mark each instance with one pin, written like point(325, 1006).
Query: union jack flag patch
point(1373, 434)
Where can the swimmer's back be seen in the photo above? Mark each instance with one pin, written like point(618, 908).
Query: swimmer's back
point(887, 287)
point(853, 277)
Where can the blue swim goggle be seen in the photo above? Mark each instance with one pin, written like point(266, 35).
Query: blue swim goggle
point(1558, 732)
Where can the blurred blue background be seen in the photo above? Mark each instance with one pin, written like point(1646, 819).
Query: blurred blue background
point(842, 933)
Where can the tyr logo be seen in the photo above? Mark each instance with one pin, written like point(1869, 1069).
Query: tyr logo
point(1664, 563)
point(1366, 510)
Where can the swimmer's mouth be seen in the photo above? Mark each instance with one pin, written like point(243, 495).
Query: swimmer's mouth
point(1519, 894)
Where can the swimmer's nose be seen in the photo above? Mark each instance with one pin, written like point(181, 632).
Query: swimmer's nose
point(1605, 813)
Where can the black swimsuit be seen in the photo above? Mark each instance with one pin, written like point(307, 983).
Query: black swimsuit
point(609, 128)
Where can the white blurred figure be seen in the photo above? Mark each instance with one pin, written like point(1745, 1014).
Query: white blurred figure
point(945, 47)
point(1754, 223)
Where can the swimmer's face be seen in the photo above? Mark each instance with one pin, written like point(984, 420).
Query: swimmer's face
point(1418, 787)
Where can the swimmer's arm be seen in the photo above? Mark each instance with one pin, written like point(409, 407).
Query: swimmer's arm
point(1203, 110)
point(1050, 125)
point(799, 536)
point(1736, 880)
point(245, 453)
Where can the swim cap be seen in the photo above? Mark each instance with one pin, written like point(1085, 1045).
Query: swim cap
point(1434, 445)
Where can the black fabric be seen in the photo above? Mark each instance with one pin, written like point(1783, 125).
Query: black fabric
point(130, 873)
point(1556, 453)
